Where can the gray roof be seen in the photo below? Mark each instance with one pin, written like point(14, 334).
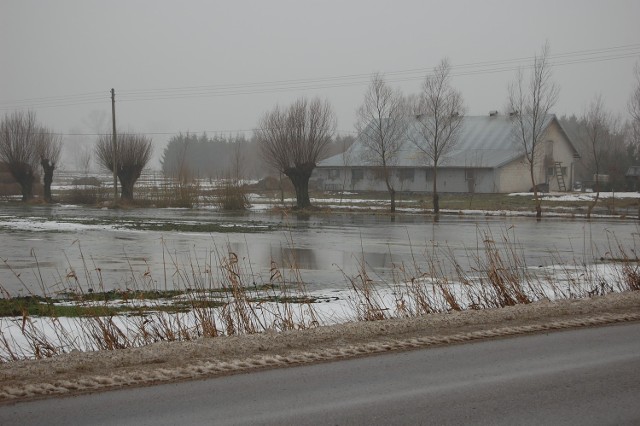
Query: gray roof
point(633, 171)
point(484, 142)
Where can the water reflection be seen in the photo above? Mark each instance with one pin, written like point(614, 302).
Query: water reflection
point(322, 247)
point(295, 258)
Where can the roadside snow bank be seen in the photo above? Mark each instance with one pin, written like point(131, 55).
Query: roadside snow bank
point(163, 362)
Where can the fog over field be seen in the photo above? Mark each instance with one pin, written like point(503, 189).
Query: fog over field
point(217, 67)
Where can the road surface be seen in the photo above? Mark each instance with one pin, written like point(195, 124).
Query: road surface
point(581, 377)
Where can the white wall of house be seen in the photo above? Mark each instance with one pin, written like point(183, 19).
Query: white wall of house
point(492, 137)
point(462, 180)
point(369, 179)
point(416, 179)
point(514, 177)
point(563, 153)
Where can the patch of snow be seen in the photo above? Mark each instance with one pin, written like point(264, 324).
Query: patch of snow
point(576, 196)
point(32, 225)
point(329, 307)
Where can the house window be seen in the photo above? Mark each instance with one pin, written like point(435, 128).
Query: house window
point(469, 174)
point(551, 171)
point(406, 174)
point(357, 175)
point(334, 173)
point(428, 175)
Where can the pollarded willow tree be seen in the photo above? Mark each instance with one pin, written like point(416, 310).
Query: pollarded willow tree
point(49, 149)
point(530, 102)
point(439, 113)
point(294, 139)
point(133, 152)
point(24, 146)
point(381, 126)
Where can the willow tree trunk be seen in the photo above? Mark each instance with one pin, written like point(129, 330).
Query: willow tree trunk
point(27, 189)
point(299, 177)
point(25, 176)
point(128, 179)
point(48, 169)
point(126, 189)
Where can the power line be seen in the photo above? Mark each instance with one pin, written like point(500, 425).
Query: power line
point(220, 93)
point(176, 133)
point(205, 88)
point(467, 69)
point(79, 96)
point(311, 84)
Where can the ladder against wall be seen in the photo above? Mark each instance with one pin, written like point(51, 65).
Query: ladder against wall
point(560, 177)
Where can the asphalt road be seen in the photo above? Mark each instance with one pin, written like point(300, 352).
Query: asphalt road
point(581, 377)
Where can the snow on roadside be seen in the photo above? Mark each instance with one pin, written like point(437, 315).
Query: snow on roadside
point(20, 336)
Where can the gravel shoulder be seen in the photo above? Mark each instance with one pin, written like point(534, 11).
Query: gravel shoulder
point(171, 361)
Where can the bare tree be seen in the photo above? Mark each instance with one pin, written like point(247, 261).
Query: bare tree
point(83, 157)
point(18, 133)
point(96, 121)
point(24, 146)
point(381, 125)
point(48, 149)
point(634, 111)
point(294, 139)
point(598, 126)
point(133, 153)
point(184, 171)
point(238, 160)
point(530, 103)
point(634, 108)
point(439, 114)
point(345, 143)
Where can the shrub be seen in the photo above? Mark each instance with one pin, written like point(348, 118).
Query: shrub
point(232, 196)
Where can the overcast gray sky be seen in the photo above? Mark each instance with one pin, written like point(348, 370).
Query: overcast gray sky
point(217, 66)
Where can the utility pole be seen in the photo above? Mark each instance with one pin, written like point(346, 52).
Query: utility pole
point(115, 155)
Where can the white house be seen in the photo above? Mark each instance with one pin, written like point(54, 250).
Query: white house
point(488, 158)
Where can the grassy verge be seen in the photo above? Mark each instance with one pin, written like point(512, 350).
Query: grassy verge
point(167, 192)
point(490, 202)
point(101, 304)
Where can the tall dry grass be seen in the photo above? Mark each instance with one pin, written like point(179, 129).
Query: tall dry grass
point(231, 196)
point(218, 293)
point(215, 295)
point(497, 276)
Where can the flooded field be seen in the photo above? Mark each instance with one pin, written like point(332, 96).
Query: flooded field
point(62, 247)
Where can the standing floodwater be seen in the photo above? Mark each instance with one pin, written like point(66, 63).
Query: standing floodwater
point(59, 247)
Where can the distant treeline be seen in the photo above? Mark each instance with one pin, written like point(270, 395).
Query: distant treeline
point(614, 161)
point(188, 156)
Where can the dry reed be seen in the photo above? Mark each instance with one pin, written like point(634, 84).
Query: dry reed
point(219, 294)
